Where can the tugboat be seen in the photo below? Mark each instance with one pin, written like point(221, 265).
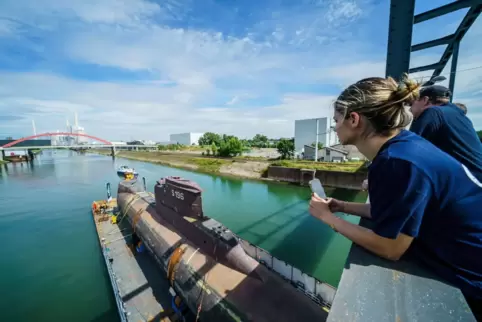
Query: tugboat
point(126, 172)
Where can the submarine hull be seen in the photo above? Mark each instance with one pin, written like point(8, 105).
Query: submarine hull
point(213, 275)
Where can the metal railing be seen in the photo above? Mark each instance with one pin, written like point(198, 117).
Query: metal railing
point(320, 292)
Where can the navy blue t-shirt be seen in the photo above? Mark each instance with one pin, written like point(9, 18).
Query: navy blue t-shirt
point(418, 190)
point(448, 128)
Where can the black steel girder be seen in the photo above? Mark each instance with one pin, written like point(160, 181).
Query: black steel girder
point(443, 10)
point(454, 40)
point(401, 24)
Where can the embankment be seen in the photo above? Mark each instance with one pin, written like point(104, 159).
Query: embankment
point(338, 179)
point(229, 167)
point(330, 174)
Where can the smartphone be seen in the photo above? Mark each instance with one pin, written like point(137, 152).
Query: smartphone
point(317, 188)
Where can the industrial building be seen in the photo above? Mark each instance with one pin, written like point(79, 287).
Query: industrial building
point(334, 153)
point(306, 131)
point(185, 138)
point(69, 139)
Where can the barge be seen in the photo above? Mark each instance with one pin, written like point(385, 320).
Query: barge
point(206, 269)
point(141, 292)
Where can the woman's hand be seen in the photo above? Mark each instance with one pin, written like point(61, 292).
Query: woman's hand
point(320, 208)
point(336, 205)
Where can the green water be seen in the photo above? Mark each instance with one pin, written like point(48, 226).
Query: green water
point(51, 267)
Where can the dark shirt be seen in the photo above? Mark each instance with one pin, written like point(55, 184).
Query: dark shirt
point(448, 128)
point(418, 190)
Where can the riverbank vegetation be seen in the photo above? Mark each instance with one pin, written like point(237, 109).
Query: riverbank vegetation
point(229, 155)
point(242, 166)
point(352, 166)
point(223, 145)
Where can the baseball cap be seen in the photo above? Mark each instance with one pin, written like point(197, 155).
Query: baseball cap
point(435, 91)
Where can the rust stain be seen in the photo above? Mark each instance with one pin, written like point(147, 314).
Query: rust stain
point(173, 260)
point(397, 319)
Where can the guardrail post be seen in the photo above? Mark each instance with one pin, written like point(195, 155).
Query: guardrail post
point(113, 151)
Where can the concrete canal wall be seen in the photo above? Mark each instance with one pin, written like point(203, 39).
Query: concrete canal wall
point(338, 179)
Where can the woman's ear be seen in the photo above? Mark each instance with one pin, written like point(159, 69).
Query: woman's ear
point(354, 119)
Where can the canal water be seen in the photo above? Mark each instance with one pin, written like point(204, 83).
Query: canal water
point(50, 263)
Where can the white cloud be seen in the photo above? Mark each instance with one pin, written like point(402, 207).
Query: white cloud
point(256, 81)
point(145, 110)
point(91, 11)
point(343, 9)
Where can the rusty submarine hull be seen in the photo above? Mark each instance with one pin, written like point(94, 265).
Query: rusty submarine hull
point(207, 265)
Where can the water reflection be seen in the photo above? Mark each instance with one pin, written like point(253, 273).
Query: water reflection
point(287, 193)
point(273, 216)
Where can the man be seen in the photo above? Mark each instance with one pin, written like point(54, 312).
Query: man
point(446, 126)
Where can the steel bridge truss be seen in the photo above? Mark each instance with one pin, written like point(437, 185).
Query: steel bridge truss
point(400, 46)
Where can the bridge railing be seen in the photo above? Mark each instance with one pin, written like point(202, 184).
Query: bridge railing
point(375, 289)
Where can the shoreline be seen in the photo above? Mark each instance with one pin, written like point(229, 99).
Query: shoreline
point(251, 170)
point(234, 168)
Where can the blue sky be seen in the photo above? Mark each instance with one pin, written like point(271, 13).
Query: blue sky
point(144, 69)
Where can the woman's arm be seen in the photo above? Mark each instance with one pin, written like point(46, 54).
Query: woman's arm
point(357, 209)
point(388, 248)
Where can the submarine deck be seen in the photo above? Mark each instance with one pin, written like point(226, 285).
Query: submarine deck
point(140, 288)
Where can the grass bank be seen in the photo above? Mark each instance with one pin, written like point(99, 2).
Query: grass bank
point(239, 167)
point(355, 166)
point(3, 162)
point(246, 167)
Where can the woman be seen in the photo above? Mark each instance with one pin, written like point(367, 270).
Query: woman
point(420, 197)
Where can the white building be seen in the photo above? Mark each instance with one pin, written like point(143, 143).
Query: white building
point(305, 133)
point(327, 154)
point(185, 138)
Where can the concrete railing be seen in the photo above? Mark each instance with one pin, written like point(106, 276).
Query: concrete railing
point(374, 289)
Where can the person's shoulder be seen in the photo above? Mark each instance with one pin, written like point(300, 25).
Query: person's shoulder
point(434, 113)
point(395, 163)
point(410, 151)
point(449, 111)
point(395, 174)
point(403, 143)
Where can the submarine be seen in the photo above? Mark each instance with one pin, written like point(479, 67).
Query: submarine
point(207, 265)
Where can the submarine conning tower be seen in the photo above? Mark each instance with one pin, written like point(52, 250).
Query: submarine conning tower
point(181, 195)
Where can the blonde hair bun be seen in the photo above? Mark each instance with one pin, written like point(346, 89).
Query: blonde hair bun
point(408, 90)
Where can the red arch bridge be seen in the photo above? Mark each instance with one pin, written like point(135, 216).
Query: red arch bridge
point(17, 144)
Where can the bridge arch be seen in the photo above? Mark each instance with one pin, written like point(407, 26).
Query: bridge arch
point(56, 134)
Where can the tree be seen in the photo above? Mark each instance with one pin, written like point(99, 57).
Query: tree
point(231, 147)
point(479, 133)
point(260, 141)
point(214, 149)
point(245, 143)
point(286, 147)
point(209, 138)
point(320, 145)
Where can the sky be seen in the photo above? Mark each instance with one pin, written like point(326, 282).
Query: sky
point(144, 69)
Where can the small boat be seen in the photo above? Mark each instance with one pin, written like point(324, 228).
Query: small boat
point(126, 172)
